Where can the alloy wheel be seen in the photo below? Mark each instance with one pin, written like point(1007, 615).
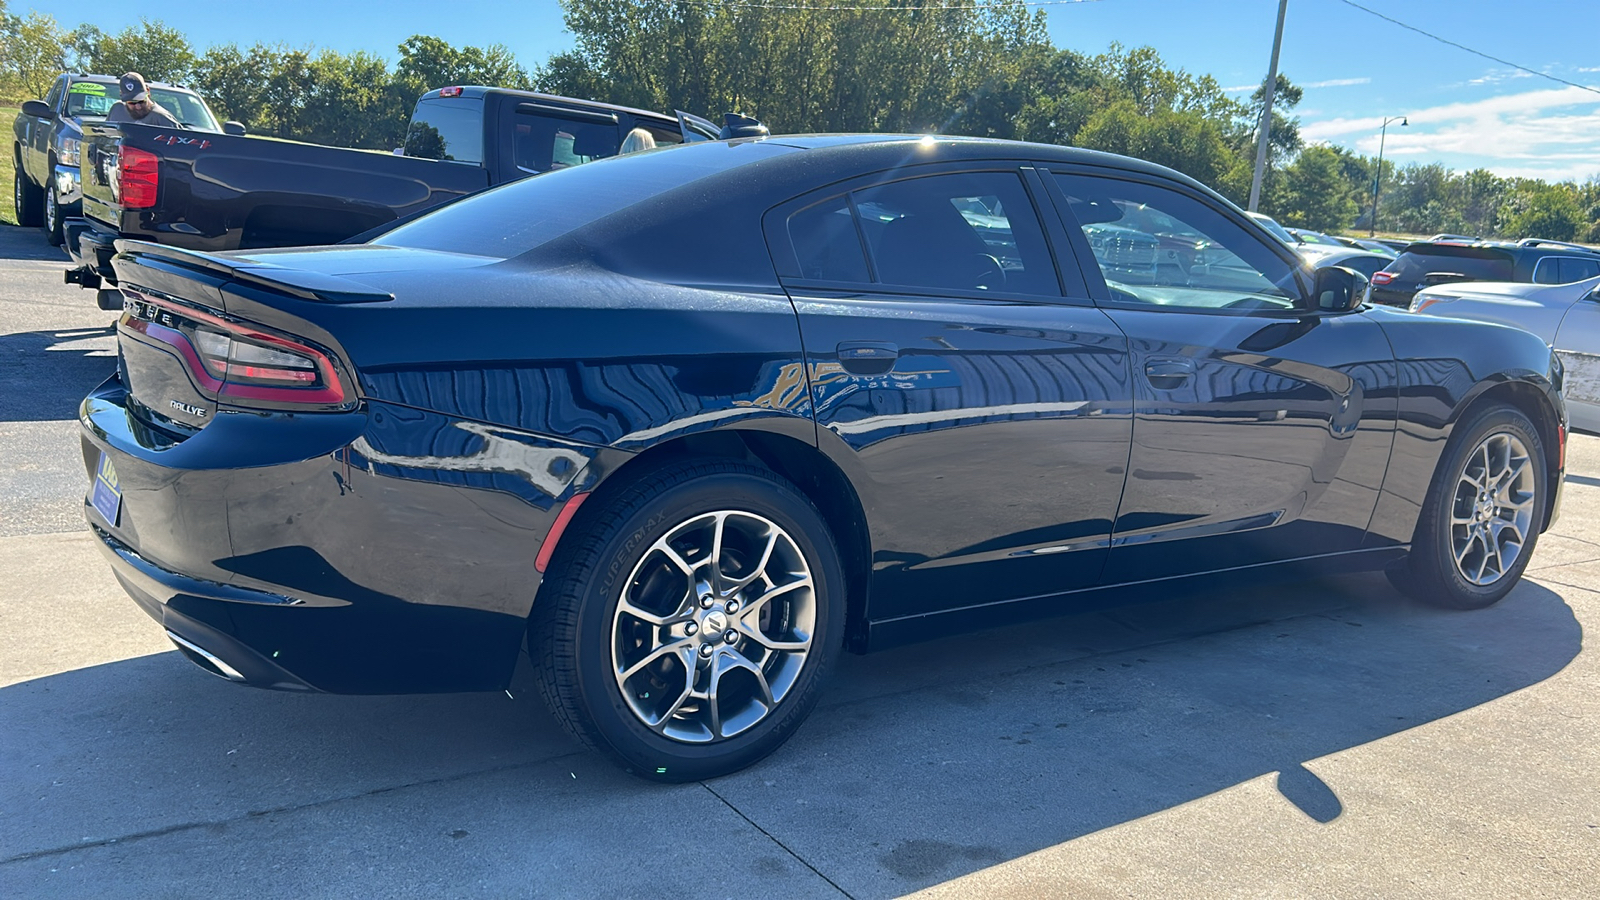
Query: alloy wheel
point(1491, 515)
point(713, 627)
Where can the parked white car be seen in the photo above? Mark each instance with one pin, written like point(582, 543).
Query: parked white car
point(1567, 316)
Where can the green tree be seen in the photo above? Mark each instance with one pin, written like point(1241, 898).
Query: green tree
point(152, 48)
point(1186, 141)
point(35, 51)
point(1548, 211)
point(1316, 192)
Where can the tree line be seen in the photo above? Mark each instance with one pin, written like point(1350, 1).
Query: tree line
point(963, 67)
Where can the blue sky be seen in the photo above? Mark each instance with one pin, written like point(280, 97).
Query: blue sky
point(1464, 111)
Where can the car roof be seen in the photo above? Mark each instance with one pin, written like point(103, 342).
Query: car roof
point(75, 77)
point(479, 91)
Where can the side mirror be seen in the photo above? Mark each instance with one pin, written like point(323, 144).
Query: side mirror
point(236, 129)
point(1339, 289)
point(38, 109)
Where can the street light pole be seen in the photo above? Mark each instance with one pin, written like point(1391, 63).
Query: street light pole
point(1377, 180)
point(1266, 110)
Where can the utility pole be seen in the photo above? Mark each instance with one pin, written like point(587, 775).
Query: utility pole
point(1377, 180)
point(1266, 110)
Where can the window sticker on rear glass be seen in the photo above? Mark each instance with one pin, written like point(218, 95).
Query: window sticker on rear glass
point(88, 87)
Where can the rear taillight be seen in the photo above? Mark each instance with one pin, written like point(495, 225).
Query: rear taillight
point(139, 175)
point(1382, 278)
point(235, 361)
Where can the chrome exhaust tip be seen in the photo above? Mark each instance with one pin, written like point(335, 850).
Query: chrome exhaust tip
point(205, 659)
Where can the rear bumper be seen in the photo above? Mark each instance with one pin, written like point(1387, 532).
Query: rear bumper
point(185, 606)
point(319, 551)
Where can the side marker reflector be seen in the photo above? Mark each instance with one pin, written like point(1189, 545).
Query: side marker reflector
point(548, 548)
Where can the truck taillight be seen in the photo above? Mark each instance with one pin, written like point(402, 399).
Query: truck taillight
point(139, 174)
point(232, 361)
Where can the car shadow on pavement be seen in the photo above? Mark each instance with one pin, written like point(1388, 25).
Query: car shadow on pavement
point(921, 764)
point(47, 373)
point(28, 243)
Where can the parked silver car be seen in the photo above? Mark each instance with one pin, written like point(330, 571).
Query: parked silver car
point(1567, 316)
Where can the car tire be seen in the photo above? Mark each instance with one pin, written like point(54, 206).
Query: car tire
point(51, 221)
point(26, 199)
point(678, 674)
point(1480, 521)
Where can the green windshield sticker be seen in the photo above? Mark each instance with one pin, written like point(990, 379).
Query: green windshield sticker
point(88, 87)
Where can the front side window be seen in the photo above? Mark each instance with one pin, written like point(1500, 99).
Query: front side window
point(1158, 247)
point(186, 108)
point(53, 98)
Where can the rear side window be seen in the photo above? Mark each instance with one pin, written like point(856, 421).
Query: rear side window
point(1476, 263)
point(959, 232)
point(450, 129)
point(826, 242)
point(543, 143)
point(1565, 270)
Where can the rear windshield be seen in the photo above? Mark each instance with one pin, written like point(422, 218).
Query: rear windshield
point(511, 220)
point(185, 107)
point(447, 129)
point(1477, 263)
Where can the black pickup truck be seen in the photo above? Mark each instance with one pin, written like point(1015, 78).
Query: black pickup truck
point(209, 191)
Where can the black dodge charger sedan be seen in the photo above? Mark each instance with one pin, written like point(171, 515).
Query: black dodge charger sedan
point(685, 424)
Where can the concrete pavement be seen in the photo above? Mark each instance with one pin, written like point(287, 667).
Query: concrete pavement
point(1319, 739)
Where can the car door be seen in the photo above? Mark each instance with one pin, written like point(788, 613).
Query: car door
point(977, 398)
point(37, 149)
point(1577, 343)
point(1262, 425)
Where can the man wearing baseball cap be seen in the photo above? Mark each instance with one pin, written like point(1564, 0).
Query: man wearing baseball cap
point(137, 106)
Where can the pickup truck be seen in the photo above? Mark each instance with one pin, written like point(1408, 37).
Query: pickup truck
point(210, 192)
point(47, 134)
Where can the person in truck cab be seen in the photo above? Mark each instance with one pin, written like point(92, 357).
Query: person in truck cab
point(137, 106)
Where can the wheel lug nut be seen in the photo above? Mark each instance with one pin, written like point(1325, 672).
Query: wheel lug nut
point(706, 650)
point(731, 636)
point(706, 601)
point(733, 606)
point(690, 628)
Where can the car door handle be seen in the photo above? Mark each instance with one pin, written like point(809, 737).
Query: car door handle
point(867, 357)
point(1168, 374)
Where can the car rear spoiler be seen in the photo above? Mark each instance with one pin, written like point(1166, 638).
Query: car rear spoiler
point(294, 282)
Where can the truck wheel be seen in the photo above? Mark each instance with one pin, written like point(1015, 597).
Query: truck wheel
point(1481, 518)
point(689, 619)
point(26, 199)
point(52, 217)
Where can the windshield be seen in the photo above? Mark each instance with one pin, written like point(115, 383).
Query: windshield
point(91, 98)
point(1476, 263)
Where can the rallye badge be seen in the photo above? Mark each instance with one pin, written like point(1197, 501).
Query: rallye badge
point(196, 411)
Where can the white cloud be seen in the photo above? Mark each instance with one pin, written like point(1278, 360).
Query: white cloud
point(1495, 76)
point(1337, 82)
point(1551, 134)
point(1332, 82)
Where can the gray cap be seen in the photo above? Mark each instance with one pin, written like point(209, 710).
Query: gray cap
point(133, 88)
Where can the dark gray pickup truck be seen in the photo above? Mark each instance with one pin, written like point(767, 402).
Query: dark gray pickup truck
point(210, 191)
point(47, 134)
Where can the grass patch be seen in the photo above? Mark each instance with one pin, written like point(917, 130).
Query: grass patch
point(8, 216)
